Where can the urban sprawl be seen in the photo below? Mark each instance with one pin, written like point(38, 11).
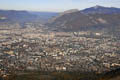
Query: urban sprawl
point(36, 48)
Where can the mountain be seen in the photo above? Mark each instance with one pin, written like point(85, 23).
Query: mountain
point(21, 17)
point(87, 20)
point(61, 14)
point(101, 10)
point(45, 15)
point(12, 16)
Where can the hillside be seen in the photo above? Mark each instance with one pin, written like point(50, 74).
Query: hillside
point(87, 20)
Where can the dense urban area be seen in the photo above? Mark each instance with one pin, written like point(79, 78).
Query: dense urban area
point(39, 49)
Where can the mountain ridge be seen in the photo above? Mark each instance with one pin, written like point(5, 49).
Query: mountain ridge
point(86, 20)
point(101, 10)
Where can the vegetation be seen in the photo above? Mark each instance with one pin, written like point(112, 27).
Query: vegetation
point(42, 75)
point(54, 76)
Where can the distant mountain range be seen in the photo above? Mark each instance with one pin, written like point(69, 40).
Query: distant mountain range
point(13, 16)
point(45, 15)
point(94, 18)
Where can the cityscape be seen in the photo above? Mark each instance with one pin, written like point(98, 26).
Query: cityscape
point(69, 45)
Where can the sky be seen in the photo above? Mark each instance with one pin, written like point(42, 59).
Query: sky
point(55, 5)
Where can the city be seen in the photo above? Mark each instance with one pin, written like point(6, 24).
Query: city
point(59, 40)
point(37, 49)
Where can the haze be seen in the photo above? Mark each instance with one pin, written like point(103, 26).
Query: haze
point(54, 5)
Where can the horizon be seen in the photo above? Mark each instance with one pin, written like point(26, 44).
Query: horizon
point(54, 5)
point(56, 11)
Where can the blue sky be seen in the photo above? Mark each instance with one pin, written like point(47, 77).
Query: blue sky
point(54, 5)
